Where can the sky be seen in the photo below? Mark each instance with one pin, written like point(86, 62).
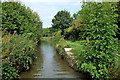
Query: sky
point(47, 9)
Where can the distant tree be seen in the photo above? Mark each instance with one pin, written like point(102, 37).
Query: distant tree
point(61, 21)
point(46, 32)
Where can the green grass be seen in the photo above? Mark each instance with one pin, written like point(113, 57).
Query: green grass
point(77, 46)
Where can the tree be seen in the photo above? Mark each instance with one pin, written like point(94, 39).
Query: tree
point(17, 17)
point(61, 21)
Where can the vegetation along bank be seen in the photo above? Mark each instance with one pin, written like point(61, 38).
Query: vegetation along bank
point(21, 31)
point(93, 35)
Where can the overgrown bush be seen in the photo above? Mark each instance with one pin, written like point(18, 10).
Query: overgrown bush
point(99, 54)
point(17, 55)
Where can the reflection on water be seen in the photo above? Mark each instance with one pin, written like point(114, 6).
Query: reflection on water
point(49, 65)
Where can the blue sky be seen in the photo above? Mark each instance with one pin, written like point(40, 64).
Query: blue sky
point(47, 9)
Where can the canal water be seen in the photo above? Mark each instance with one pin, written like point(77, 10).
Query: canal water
point(50, 65)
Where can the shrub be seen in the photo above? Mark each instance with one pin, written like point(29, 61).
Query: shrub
point(17, 55)
point(99, 54)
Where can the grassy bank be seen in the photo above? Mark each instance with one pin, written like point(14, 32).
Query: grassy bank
point(77, 46)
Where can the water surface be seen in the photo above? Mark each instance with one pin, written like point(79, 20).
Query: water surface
point(50, 65)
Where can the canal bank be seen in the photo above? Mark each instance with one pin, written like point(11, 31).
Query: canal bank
point(50, 65)
point(69, 58)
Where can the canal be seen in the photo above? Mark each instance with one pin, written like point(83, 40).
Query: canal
point(50, 65)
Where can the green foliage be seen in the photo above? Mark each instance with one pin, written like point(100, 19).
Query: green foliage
point(117, 63)
point(46, 32)
point(117, 67)
point(61, 21)
point(17, 54)
point(99, 54)
point(74, 33)
point(60, 49)
point(0, 15)
point(8, 70)
point(21, 30)
point(16, 17)
point(57, 37)
point(118, 20)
